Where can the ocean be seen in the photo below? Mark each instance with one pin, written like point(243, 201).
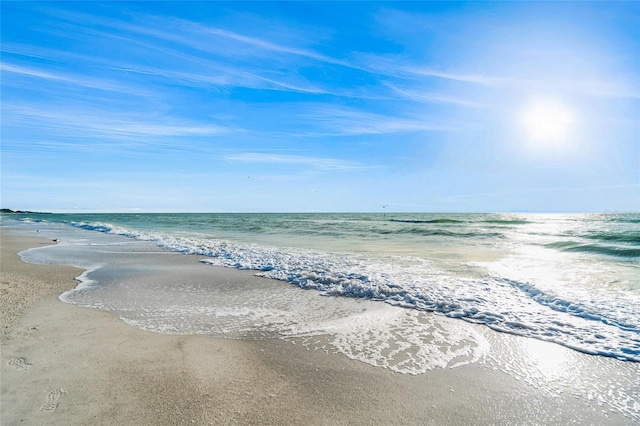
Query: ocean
point(408, 292)
point(569, 279)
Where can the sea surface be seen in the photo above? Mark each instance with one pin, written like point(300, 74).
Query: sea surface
point(407, 292)
point(569, 279)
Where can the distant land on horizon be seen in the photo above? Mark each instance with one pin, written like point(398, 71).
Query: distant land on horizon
point(20, 211)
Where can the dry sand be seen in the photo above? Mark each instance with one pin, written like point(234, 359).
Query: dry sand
point(65, 365)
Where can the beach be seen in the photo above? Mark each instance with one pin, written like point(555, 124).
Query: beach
point(67, 365)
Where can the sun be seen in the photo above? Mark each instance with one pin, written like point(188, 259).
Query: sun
point(547, 122)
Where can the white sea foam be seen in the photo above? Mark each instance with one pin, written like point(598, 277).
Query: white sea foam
point(402, 340)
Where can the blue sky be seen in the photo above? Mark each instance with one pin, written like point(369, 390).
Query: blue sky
point(327, 106)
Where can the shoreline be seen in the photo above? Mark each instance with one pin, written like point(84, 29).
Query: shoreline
point(63, 364)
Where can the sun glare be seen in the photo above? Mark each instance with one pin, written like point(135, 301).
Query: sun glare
point(547, 122)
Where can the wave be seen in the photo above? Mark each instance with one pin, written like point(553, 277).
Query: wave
point(32, 220)
point(608, 250)
point(622, 237)
point(437, 231)
point(430, 232)
point(508, 221)
point(625, 218)
point(590, 336)
point(443, 233)
point(427, 221)
point(454, 221)
point(561, 305)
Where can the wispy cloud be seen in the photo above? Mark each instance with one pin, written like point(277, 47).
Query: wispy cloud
point(203, 37)
point(404, 73)
point(92, 83)
point(420, 95)
point(227, 77)
point(214, 55)
point(247, 61)
point(574, 86)
point(319, 163)
point(345, 121)
point(115, 131)
point(264, 44)
point(209, 74)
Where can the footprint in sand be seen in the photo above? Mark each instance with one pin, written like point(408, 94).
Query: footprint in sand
point(53, 399)
point(19, 363)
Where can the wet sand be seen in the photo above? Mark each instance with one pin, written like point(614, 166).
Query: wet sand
point(66, 365)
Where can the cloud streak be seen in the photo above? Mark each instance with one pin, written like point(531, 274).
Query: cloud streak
point(89, 130)
point(574, 86)
point(318, 163)
point(436, 98)
point(103, 85)
point(344, 121)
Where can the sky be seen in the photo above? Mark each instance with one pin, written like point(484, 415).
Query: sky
point(320, 106)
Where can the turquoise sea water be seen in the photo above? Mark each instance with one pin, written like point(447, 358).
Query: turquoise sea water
point(569, 279)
